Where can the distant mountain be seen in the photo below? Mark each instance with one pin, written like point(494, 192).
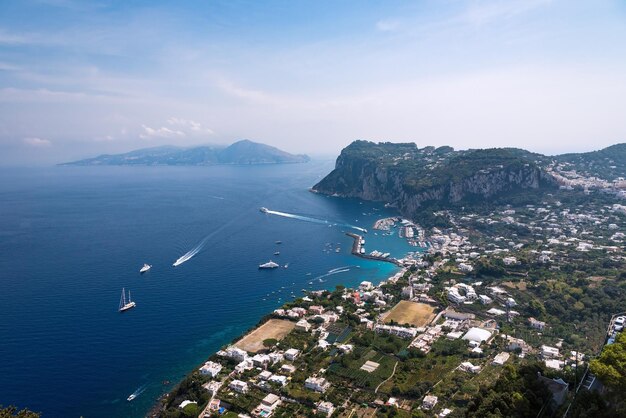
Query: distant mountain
point(411, 178)
point(241, 152)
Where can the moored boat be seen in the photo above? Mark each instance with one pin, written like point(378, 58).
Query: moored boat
point(124, 306)
point(269, 265)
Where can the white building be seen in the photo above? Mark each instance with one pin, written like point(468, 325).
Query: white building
point(477, 335)
point(500, 359)
point(261, 360)
point(210, 369)
point(303, 325)
point(429, 402)
point(235, 353)
point(540, 325)
point(292, 354)
point(318, 384)
point(454, 296)
point(465, 268)
point(509, 261)
point(278, 379)
point(238, 386)
point(548, 352)
point(287, 368)
point(484, 299)
point(365, 285)
point(469, 367)
point(325, 408)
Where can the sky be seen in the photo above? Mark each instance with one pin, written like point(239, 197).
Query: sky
point(78, 79)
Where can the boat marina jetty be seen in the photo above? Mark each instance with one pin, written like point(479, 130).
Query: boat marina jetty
point(358, 249)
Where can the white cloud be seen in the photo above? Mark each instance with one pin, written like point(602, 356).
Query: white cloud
point(162, 132)
point(37, 142)
point(190, 125)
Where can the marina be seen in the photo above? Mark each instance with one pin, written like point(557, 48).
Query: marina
point(358, 249)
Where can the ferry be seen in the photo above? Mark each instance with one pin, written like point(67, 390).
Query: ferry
point(124, 306)
point(145, 268)
point(264, 210)
point(269, 265)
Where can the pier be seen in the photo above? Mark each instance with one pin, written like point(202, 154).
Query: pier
point(357, 247)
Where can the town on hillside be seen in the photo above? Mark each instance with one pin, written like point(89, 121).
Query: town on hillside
point(504, 309)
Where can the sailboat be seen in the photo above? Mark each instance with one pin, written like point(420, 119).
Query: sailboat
point(124, 306)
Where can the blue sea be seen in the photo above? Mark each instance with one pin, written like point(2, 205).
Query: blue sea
point(72, 237)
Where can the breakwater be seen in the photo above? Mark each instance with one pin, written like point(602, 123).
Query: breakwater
point(359, 251)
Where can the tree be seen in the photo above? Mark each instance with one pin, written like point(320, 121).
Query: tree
point(12, 412)
point(270, 342)
point(610, 367)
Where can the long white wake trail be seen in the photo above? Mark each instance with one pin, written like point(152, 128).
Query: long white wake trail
point(195, 250)
point(314, 220)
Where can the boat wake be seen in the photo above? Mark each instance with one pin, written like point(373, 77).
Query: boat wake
point(314, 220)
point(340, 268)
point(189, 254)
point(332, 272)
point(141, 389)
point(195, 250)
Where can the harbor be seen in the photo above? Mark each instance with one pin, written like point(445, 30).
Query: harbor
point(358, 249)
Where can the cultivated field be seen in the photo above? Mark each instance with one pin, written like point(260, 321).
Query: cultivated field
point(274, 328)
point(413, 313)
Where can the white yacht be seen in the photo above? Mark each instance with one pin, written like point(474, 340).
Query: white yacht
point(124, 306)
point(131, 397)
point(145, 268)
point(264, 210)
point(269, 265)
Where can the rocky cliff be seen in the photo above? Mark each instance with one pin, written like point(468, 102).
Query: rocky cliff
point(408, 177)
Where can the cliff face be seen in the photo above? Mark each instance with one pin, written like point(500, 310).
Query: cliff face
point(408, 177)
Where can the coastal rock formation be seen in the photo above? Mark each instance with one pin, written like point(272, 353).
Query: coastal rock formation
point(408, 177)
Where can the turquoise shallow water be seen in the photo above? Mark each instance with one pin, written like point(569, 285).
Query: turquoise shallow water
point(72, 237)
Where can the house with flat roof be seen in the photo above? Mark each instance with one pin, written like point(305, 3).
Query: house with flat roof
point(238, 386)
point(429, 402)
point(548, 352)
point(325, 407)
point(292, 354)
point(210, 369)
point(318, 384)
point(303, 325)
point(540, 325)
point(500, 359)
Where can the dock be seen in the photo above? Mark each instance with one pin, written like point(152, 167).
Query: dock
point(357, 247)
